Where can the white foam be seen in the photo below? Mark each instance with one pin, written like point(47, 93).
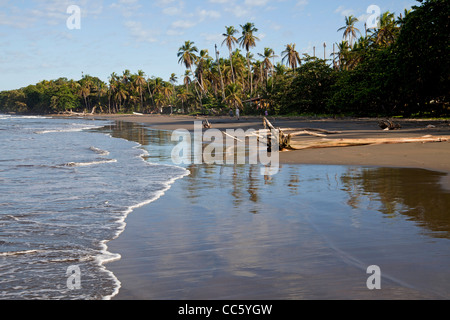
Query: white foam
point(99, 151)
point(18, 253)
point(106, 257)
point(87, 164)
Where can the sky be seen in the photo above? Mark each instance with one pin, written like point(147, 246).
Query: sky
point(43, 40)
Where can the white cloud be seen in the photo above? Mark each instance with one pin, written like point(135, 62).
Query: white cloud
point(302, 3)
point(172, 11)
point(182, 24)
point(139, 33)
point(209, 14)
point(256, 3)
point(344, 12)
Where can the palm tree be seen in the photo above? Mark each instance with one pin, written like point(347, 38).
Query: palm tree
point(291, 57)
point(267, 64)
point(187, 79)
point(233, 95)
point(187, 56)
point(248, 41)
point(350, 29)
point(121, 95)
point(139, 81)
point(230, 41)
point(183, 95)
point(201, 67)
point(85, 91)
point(386, 34)
point(343, 55)
point(173, 79)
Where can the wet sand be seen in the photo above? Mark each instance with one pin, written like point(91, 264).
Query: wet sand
point(433, 156)
point(307, 233)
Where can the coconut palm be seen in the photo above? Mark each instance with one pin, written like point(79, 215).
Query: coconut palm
point(201, 67)
point(139, 82)
point(248, 41)
point(232, 95)
point(187, 79)
point(183, 96)
point(349, 29)
point(386, 33)
point(291, 57)
point(343, 55)
point(230, 41)
point(267, 64)
point(121, 95)
point(187, 56)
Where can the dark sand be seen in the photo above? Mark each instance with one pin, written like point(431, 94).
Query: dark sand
point(221, 234)
point(433, 156)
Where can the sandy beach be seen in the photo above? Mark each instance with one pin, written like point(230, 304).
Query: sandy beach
point(229, 233)
point(433, 156)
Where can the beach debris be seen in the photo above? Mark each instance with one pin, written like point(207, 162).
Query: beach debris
point(329, 143)
point(284, 140)
point(389, 125)
point(206, 124)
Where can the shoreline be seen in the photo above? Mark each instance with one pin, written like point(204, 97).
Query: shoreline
point(173, 248)
point(430, 156)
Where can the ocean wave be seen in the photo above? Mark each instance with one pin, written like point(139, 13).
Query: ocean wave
point(87, 164)
point(19, 253)
point(99, 151)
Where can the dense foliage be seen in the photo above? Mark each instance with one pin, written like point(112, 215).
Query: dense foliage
point(399, 68)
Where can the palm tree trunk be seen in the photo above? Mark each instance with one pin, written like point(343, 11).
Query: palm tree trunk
point(232, 68)
point(196, 90)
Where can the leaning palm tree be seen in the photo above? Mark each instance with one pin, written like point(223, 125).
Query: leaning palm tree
point(201, 67)
point(230, 41)
point(291, 57)
point(248, 41)
point(267, 64)
point(349, 29)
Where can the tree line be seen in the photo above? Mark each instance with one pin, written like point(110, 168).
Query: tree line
point(399, 68)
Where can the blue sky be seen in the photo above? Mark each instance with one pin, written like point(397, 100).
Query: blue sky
point(36, 44)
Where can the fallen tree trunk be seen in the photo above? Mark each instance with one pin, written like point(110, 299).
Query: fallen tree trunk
point(284, 140)
point(331, 143)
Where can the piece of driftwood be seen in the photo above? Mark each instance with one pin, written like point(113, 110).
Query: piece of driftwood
point(206, 124)
point(284, 140)
point(330, 143)
point(312, 129)
point(229, 135)
point(308, 133)
point(389, 125)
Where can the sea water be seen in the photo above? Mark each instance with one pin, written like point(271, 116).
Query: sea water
point(66, 187)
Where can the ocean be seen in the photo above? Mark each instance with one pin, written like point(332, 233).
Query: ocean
point(66, 187)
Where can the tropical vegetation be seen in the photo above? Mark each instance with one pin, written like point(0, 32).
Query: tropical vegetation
point(400, 68)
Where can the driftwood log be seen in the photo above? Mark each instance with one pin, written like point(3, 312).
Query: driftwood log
point(206, 124)
point(286, 141)
point(389, 125)
point(330, 143)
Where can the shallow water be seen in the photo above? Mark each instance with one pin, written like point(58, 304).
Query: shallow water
point(309, 232)
point(65, 188)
